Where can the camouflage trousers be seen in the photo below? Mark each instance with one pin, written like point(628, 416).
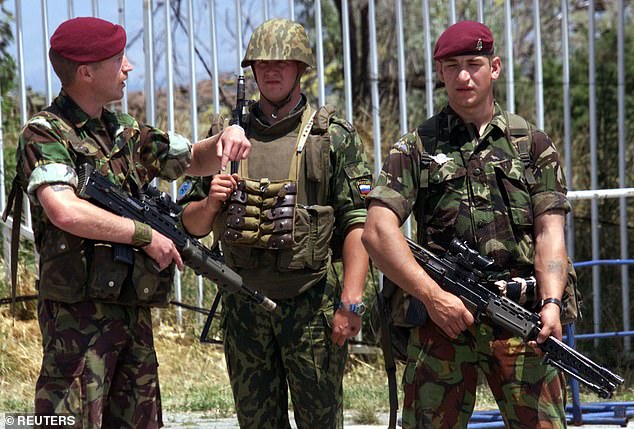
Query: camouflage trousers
point(269, 354)
point(441, 376)
point(99, 365)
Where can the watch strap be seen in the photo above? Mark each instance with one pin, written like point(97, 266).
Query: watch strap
point(553, 301)
point(356, 308)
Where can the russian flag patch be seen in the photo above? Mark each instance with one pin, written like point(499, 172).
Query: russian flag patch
point(364, 186)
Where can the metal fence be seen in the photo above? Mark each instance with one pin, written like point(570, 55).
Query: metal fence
point(206, 22)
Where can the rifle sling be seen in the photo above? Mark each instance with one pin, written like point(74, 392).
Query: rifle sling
point(210, 317)
point(14, 205)
point(16, 198)
point(388, 356)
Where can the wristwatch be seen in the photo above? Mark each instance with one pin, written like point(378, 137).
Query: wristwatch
point(358, 308)
point(555, 301)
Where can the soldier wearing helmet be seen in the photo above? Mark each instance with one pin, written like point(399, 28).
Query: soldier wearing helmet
point(294, 206)
point(278, 42)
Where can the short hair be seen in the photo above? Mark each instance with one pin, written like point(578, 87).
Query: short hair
point(64, 68)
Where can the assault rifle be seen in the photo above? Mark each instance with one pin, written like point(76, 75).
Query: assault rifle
point(238, 114)
point(156, 209)
point(461, 272)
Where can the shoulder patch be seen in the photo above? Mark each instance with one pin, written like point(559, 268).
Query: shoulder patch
point(184, 189)
point(365, 186)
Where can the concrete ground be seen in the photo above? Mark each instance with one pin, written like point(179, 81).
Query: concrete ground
point(199, 421)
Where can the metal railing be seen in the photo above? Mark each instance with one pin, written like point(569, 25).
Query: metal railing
point(144, 19)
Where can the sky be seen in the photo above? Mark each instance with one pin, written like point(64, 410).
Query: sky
point(253, 12)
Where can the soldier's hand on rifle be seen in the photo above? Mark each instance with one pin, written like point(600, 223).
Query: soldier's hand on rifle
point(449, 313)
point(163, 251)
point(232, 145)
point(551, 323)
point(222, 185)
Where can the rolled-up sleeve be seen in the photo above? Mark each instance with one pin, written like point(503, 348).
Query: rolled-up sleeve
point(179, 156)
point(44, 157)
point(549, 193)
point(171, 150)
point(398, 183)
point(47, 174)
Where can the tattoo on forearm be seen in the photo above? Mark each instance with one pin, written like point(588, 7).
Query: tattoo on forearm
point(556, 267)
point(61, 187)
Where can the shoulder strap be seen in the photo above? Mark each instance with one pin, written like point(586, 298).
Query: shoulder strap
point(428, 132)
point(323, 117)
point(15, 204)
point(520, 134)
point(308, 118)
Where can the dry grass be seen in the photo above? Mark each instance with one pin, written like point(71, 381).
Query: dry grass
point(193, 375)
point(20, 358)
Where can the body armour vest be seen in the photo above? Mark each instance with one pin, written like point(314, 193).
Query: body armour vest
point(277, 228)
point(74, 269)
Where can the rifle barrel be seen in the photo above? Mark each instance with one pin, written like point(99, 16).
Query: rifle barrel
point(455, 275)
point(99, 189)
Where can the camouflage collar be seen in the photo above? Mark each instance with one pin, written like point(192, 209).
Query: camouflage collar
point(260, 128)
point(455, 122)
point(71, 110)
point(75, 114)
point(499, 119)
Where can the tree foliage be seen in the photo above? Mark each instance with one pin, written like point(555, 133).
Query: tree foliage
point(10, 123)
point(7, 63)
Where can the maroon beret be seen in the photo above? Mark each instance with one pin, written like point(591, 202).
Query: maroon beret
point(464, 38)
point(88, 40)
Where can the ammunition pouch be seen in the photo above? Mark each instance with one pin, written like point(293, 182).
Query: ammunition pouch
point(314, 226)
point(294, 243)
point(261, 214)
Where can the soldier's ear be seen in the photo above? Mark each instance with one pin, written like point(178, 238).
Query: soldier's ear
point(441, 77)
point(84, 73)
point(496, 67)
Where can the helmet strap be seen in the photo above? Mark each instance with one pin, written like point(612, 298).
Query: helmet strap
point(280, 104)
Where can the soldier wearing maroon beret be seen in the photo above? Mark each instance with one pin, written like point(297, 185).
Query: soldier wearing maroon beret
point(99, 363)
point(464, 38)
point(487, 177)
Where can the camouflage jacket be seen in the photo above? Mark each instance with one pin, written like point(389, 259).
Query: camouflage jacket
point(50, 148)
point(53, 144)
point(476, 188)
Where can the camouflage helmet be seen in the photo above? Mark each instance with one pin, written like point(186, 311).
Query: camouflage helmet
point(279, 39)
